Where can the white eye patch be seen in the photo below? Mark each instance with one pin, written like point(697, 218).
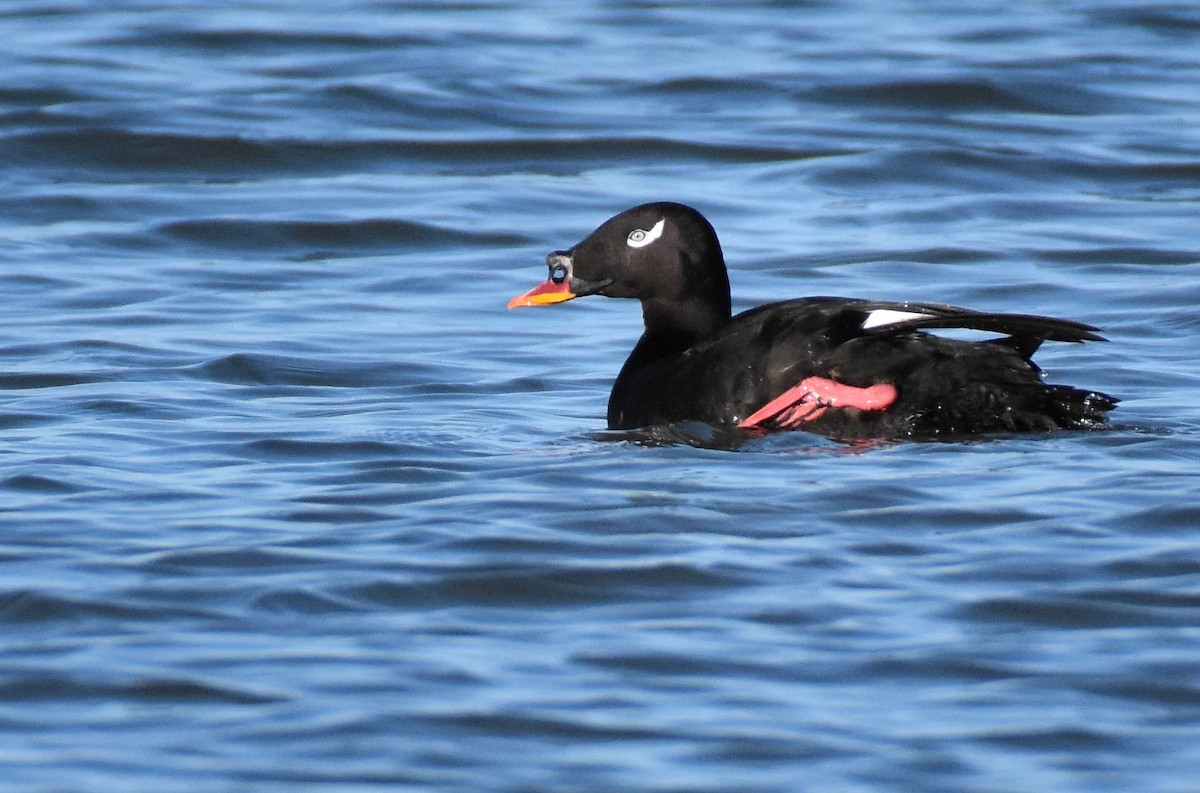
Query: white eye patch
point(882, 317)
point(640, 238)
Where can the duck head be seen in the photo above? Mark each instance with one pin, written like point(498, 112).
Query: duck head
point(663, 254)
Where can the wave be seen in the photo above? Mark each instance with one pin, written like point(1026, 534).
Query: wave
point(240, 234)
point(238, 157)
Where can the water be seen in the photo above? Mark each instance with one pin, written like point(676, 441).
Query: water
point(289, 501)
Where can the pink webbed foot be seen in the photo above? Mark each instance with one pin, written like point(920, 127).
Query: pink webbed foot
point(812, 396)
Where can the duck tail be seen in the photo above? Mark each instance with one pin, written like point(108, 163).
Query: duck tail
point(1075, 408)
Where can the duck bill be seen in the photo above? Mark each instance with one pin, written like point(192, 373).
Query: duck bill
point(543, 295)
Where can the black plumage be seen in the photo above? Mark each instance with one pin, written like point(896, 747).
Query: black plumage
point(696, 362)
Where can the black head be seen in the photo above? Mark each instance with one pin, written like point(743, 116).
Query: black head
point(663, 254)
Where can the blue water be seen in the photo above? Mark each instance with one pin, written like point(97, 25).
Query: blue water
point(288, 501)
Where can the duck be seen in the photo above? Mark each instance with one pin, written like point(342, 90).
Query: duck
point(847, 368)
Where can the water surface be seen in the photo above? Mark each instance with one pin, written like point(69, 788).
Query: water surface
point(289, 500)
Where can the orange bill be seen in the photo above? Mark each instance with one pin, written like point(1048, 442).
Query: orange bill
point(544, 294)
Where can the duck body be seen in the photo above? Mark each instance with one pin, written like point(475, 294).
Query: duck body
point(842, 367)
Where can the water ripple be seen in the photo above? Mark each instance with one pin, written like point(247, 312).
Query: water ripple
point(160, 154)
point(356, 235)
point(51, 688)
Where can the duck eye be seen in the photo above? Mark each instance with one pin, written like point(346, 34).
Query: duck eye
point(558, 273)
point(640, 238)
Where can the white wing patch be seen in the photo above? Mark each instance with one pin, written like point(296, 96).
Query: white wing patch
point(640, 238)
point(882, 317)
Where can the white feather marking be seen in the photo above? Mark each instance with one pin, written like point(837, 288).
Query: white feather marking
point(640, 238)
point(882, 317)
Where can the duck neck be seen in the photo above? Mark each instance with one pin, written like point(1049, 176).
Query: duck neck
point(674, 326)
point(669, 331)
